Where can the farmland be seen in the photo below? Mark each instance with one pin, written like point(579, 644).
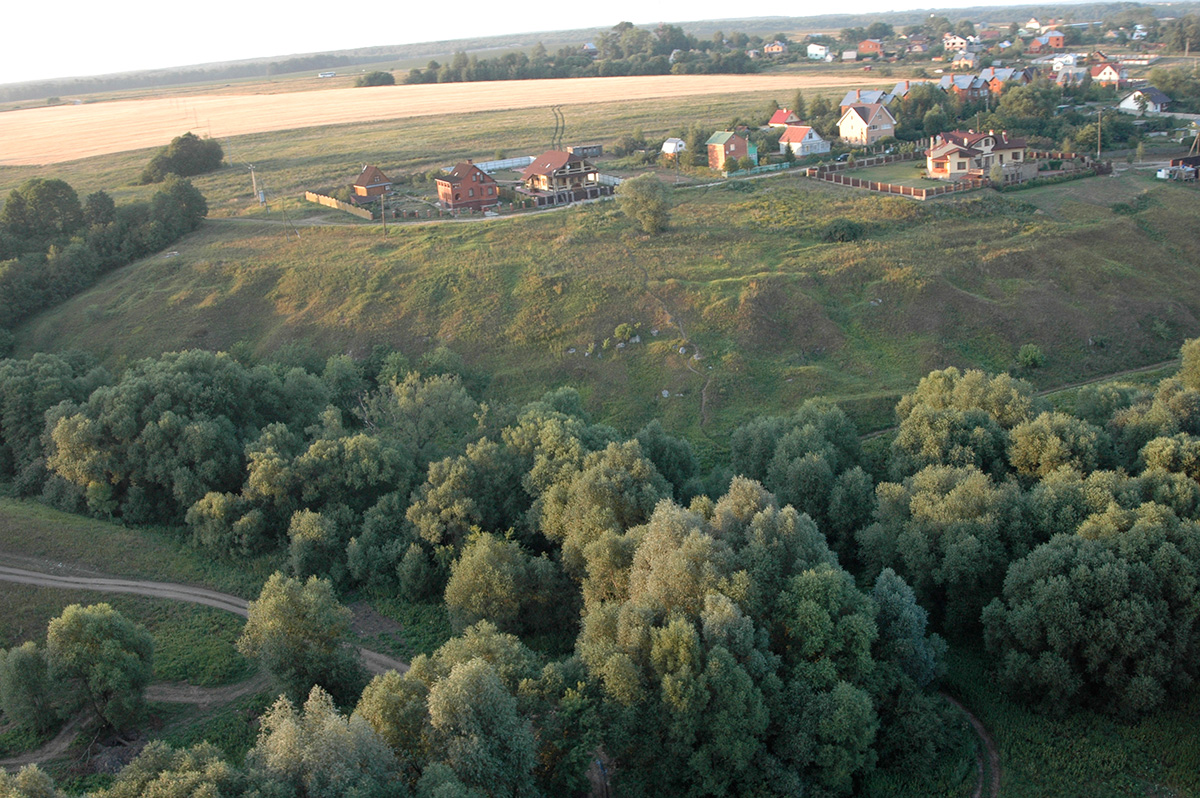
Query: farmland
point(69, 132)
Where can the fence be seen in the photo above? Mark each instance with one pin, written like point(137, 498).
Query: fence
point(758, 170)
point(519, 162)
point(330, 202)
point(608, 180)
point(832, 176)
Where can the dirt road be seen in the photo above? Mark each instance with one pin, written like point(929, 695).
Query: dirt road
point(54, 134)
point(373, 661)
point(989, 745)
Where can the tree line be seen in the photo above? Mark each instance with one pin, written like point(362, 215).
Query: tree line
point(624, 50)
point(52, 245)
point(774, 623)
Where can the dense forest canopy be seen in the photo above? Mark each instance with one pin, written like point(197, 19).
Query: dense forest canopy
point(775, 623)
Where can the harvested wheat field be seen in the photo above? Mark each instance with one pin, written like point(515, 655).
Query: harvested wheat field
point(68, 132)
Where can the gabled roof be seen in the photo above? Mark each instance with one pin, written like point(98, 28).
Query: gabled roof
point(783, 117)
point(550, 162)
point(673, 145)
point(902, 88)
point(961, 82)
point(867, 112)
point(794, 134)
point(371, 177)
point(972, 138)
point(1152, 94)
point(944, 149)
point(1003, 74)
point(1098, 69)
point(462, 171)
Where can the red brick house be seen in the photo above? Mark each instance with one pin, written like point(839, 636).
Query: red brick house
point(371, 183)
point(557, 178)
point(870, 47)
point(1054, 40)
point(467, 186)
point(725, 148)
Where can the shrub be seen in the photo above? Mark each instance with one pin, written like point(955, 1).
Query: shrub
point(842, 229)
point(1030, 357)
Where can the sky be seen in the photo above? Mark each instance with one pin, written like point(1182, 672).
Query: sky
point(73, 38)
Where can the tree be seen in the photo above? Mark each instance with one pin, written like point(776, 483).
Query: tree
point(29, 782)
point(645, 200)
point(178, 206)
point(186, 156)
point(482, 737)
point(1107, 617)
point(26, 690)
point(40, 211)
point(317, 752)
point(496, 580)
point(166, 772)
point(301, 635)
point(376, 78)
point(104, 660)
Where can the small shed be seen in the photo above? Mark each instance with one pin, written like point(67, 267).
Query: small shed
point(587, 150)
point(673, 146)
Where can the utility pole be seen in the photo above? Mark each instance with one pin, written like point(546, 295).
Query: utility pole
point(383, 212)
point(1099, 130)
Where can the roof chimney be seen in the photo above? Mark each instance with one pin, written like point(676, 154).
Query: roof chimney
point(470, 161)
point(858, 94)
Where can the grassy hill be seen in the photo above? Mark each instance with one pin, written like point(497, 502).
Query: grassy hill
point(743, 280)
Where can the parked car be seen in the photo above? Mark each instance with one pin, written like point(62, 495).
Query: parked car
point(842, 157)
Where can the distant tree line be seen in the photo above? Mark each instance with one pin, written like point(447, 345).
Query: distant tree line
point(52, 245)
point(624, 50)
point(777, 622)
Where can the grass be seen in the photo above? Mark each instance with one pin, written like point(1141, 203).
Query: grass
point(426, 626)
point(34, 530)
point(777, 314)
point(1084, 753)
point(192, 644)
point(233, 728)
point(901, 173)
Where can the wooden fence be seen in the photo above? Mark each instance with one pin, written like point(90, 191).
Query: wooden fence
point(892, 188)
point(330, 202)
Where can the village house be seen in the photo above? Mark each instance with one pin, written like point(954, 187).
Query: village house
point(968, 88)
point(965, 60)
point(1155, 101)
point(1054, 40)
point(999, 77)
point(467, 187)
point(953, 43)
point(371, 183)
point(870, 48)
point(775, 48)
point(725, 148)
point(818, 52)
point(782, 118)
point(1109, 75)
point(557, 178)
point(866, 123)
point(802, 140)
point(673, 146)
point(902, 88)
point(849, 55)
point(962, 153)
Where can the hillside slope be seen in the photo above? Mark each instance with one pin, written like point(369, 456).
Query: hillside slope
point(743, 278)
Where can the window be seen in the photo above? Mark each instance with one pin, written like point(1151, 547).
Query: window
point(471, 193)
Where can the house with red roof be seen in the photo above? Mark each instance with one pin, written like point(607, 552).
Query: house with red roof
point(1109, 75)
point(782, 118)
point(371, 183)
point(558, 178)
point(802, 140)
point(961, 153)
point(467, 187)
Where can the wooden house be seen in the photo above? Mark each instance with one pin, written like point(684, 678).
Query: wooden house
point(371, 183)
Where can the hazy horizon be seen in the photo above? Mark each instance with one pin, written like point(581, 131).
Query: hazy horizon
point(82, 40)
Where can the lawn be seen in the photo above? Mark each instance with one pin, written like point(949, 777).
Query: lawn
point(901, 173)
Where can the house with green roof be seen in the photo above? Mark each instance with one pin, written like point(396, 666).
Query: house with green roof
point(725, 148)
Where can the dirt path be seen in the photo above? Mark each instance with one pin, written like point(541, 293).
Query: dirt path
point(989, 745)
point(373, 661)
point(206, 697)
point(55, 748)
